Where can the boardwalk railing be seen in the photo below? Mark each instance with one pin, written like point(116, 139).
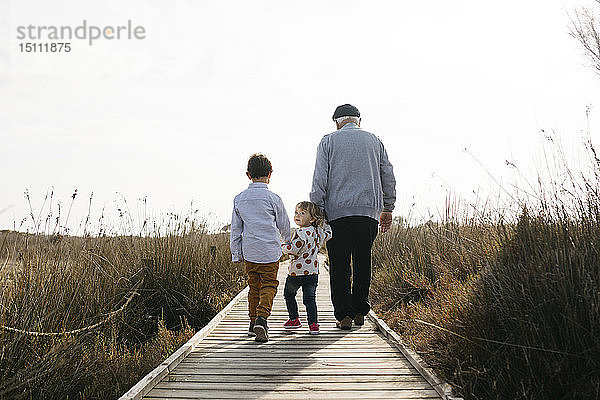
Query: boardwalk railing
point(222, 362)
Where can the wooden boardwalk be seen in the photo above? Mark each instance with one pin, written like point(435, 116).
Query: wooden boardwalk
point(227, 364)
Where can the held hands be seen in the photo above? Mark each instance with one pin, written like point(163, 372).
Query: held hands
point(385, 221)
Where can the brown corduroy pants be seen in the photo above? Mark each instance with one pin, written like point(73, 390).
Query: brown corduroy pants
point(262, 280)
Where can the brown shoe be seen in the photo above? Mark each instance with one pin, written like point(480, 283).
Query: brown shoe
point(345, 324)
point(359, 319)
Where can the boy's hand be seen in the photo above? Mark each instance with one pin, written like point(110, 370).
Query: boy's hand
point(385, 221)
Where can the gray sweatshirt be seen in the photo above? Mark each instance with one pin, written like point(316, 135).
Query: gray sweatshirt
point(353, 175)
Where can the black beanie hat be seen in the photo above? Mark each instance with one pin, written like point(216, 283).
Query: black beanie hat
point(346, 110)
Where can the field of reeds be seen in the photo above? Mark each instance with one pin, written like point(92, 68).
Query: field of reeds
point(87, 317)
point(502, 301)
point(503, 305)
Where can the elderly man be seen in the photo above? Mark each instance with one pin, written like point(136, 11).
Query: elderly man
point(354, 183)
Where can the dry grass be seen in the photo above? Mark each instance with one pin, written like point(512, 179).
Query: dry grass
point(178, 277)
point(503, 308)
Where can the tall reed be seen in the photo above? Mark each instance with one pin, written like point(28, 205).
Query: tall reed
point(130, 299)
point(504, 307)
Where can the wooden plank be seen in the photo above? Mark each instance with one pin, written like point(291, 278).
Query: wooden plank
point(278, 323)
point(252, 378)
point(290, 366)
point(306, 345)
point(276, 333)
point(306, 348)
point(244, 339)
point(300, 360)
point(293, 395)
point(266, 372)
point(249, 342)
point(277, 326)
point(295, 357)
point(295, 386)
point(297, 353)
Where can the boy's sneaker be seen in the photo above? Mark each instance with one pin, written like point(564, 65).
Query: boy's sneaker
point(261, 330)
point(359, 319)
point(314, 329)
point(345, 323)
point(292, 324)
point(251, 329)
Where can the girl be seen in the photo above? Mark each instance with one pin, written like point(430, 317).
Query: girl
point(303, 271)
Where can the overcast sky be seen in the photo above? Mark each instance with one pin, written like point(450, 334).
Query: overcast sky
point(174, 117)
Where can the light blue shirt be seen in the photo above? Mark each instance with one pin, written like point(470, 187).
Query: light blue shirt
point(258, 223)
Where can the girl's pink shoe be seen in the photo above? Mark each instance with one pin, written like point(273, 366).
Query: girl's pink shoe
point(314, 329)
point(292, 324)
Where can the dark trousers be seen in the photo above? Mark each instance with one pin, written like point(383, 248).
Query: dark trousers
point(308, 283)
point(352, 240)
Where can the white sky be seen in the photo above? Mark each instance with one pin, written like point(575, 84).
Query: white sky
point(174, 117)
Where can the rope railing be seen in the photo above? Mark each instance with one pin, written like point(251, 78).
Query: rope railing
point(110, 315)
point(520, 346)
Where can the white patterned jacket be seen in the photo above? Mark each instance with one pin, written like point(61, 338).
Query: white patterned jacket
point(303, 249)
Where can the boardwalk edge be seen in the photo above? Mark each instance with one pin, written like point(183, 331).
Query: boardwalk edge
point(440, 386)
point(146, 384)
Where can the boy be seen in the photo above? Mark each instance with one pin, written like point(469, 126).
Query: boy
point(258, 222)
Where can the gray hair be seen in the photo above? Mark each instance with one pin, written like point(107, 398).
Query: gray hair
point(347, 119)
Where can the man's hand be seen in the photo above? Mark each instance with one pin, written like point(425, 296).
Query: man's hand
point(385, 221)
